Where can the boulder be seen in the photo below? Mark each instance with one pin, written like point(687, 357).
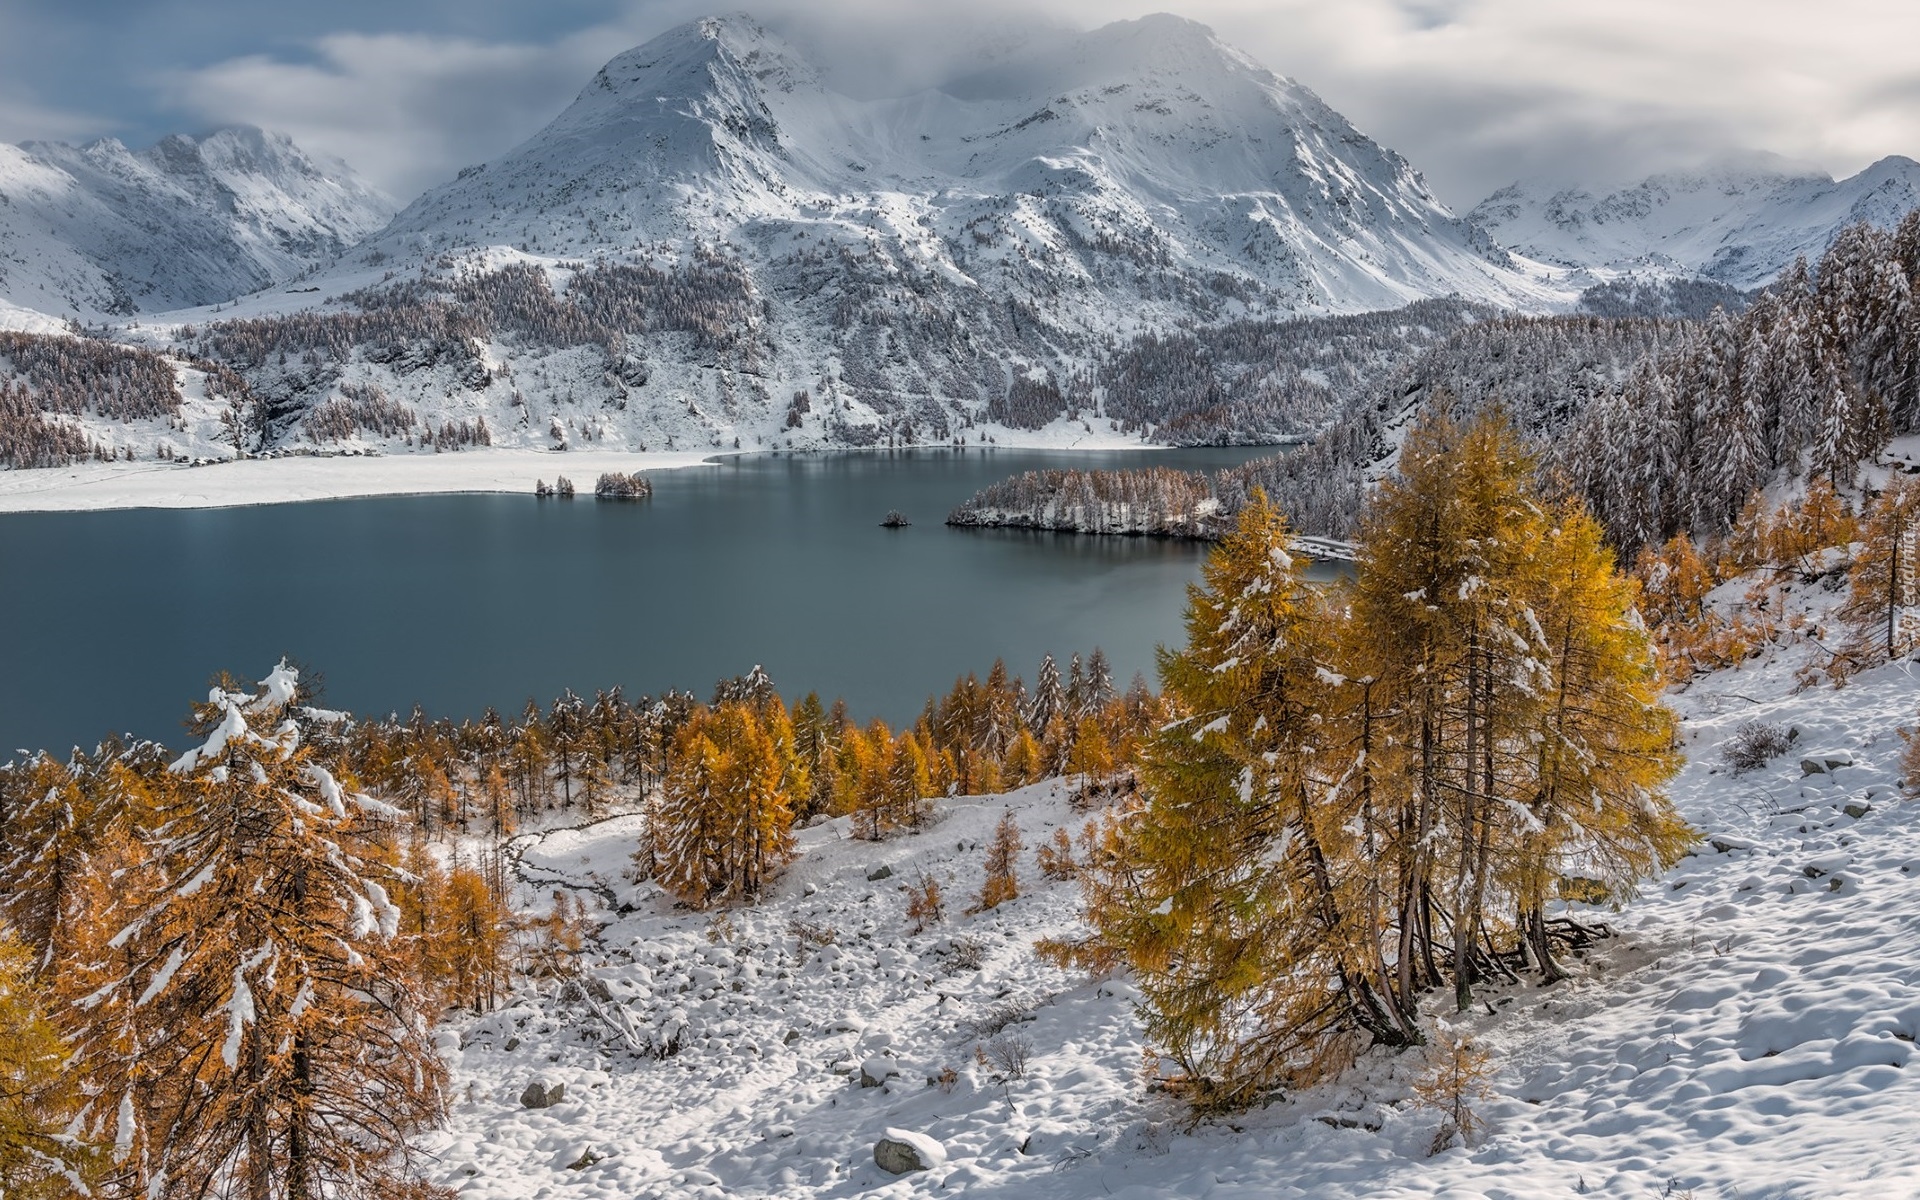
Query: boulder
point(587, 1158)
point(1827, 864)
point(1857, 808)
point(541, 1095)
point(1825, 762)
point(901, 1151)
point(876, 1071)
point(883, 871)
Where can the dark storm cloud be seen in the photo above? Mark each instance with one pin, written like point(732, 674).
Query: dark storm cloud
point(1474, 92)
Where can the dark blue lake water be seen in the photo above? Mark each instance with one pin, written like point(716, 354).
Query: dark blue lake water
point(116, 620)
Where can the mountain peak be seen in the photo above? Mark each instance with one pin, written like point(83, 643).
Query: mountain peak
point(689, 59)
point(1737, 219)
point(187, 221)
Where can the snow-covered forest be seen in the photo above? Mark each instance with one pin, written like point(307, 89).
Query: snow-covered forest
point(298, 957)
point(1664, 426)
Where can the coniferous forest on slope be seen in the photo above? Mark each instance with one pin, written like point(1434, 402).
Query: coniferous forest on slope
point(1346, 810)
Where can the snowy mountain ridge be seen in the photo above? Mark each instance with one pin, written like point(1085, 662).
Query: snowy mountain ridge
point(100, 229)
point(712, 247)
point(1143, 147)
point(1070, 243)
point(1737, 221)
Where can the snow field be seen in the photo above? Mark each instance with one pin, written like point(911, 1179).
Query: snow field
point(1749, 1032)
point(91, 487)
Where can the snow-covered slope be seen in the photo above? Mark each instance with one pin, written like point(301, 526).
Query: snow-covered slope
point(712, 247)
point(1073, 173)
point(99, 229)
point(1749, 1031)
point(1144, 145)
point(1737, 222)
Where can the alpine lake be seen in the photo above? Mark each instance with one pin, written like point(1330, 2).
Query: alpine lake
point(119, 620)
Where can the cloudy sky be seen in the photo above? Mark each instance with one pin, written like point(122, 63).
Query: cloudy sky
point(1475, 92)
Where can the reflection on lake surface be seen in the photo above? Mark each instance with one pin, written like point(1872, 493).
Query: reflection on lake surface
point(116, 620)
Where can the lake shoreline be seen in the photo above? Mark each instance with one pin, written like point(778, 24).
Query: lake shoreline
point(290, 479)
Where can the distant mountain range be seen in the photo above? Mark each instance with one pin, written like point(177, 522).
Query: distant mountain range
point(1736, 222)
point(100, 230)
point(712, 247)
point(1144, 165)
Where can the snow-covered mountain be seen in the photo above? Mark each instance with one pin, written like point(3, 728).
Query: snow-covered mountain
point(1079, 173)
point(1738, 222)
point(712, 246)
point(100, 229)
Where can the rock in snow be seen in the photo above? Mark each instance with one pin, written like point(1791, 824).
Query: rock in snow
point(901, 1151)
point(1825, 762)
point(542, 1095)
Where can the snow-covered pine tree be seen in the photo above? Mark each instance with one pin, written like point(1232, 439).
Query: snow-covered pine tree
point(1099, 680)
point(39, 1159)
point(1882, 593)
point(1229, 892)
point(278, 1046)
point(1441, 555)
point(1796, 370)
point(688, 830)
point(1000, 883)
point(725, 820)
point(53, 841)
point(909, 782)
point(1049, 696)
point(1591, 771)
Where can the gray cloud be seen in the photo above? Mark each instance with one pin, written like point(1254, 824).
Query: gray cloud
point(22, 118)
point(1474, 92)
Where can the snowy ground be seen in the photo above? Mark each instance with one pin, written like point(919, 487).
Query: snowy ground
point(1749, 1033)
point(88, 487)
point(93, 486)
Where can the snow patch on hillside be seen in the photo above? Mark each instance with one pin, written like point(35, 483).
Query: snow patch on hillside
point(1749, 1031)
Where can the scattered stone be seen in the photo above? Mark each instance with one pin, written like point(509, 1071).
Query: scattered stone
point(900, 1152)
point(1825, 762)
point(876, 1071)
point(1827, 864)
point(513, 1043)
point(880, 872)
point(540, 1095)
point(1857, 808)
point(792, 1036)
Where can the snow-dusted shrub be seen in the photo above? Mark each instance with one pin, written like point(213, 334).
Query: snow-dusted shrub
point(1910, 760)
point(1006, 1056)
point(812, 935)
point(967, 954)
point(1754, 745)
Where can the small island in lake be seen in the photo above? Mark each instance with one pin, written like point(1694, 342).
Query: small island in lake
point(617, 486)
point(895, 520)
